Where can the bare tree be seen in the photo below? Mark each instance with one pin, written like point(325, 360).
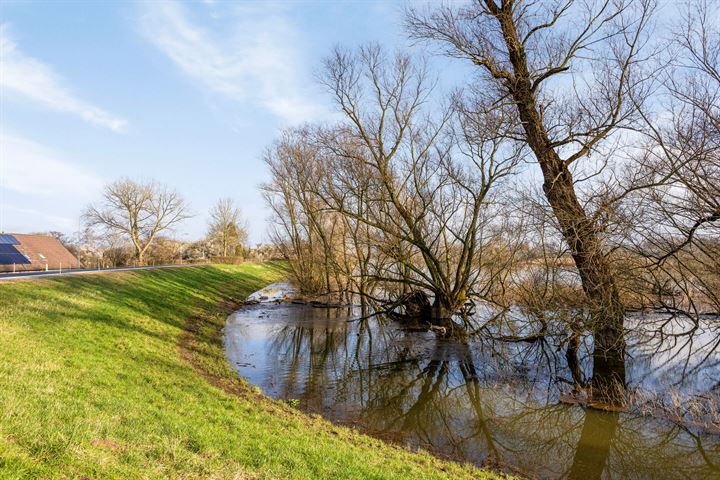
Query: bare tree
point(225, 227)
point(138, 211)
point(429, 185)
point(567, 74)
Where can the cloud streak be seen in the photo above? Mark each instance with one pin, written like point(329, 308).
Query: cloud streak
point(258, 63)
point(32, 79)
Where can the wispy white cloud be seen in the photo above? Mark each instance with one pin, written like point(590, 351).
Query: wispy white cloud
point(32, 79)
point(30, 168)
point(259, 61)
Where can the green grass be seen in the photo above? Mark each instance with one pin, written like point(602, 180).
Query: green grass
point(123, 375)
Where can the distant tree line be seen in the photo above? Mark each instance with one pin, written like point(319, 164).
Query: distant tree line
point(135, 221)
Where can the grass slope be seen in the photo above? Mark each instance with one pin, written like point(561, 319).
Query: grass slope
point(123, 376)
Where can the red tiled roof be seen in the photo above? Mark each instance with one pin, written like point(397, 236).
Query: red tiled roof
point(42, 250)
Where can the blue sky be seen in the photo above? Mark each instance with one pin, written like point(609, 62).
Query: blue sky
point(186, 93)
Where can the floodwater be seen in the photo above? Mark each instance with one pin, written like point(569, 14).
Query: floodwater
point(483, 401)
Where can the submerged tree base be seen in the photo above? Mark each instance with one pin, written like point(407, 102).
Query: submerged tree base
point(415, 311)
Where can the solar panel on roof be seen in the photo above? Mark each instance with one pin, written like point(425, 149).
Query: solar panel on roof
point(13, 259)
point(9, 255)
point(6, 239)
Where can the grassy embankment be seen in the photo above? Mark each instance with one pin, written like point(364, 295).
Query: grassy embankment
point(123, 375)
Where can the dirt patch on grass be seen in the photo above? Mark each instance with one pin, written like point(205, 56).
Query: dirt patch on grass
point(195, 332)
point(105, 444)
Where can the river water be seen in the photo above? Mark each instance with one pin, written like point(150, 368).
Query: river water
point(483, 401)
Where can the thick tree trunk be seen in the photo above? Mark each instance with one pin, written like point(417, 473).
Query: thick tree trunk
point(579, 231)
point(439, 313)
point(442, 308)
point(608, 380)
point(607, 313)
point(441, 317)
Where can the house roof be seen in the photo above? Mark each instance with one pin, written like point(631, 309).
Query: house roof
point(43, 251)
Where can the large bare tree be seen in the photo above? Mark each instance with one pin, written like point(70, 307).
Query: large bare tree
point(567, 73)
point(298, 229)
point(138, 211)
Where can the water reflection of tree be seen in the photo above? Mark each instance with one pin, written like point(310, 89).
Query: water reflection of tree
point(328, 349)
point(677, 351)
point(664, 349)
point(593, 448)
point(456, 399)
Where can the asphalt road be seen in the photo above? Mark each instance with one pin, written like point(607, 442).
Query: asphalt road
point(55, 273)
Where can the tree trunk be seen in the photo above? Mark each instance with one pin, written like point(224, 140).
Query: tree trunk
point(573, 362)
point(439, 313)
point(442, 308)
point(607, 313)
point(608, 380)
point(579, 231)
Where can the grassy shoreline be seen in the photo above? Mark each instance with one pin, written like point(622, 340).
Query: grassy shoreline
point(123, 375)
